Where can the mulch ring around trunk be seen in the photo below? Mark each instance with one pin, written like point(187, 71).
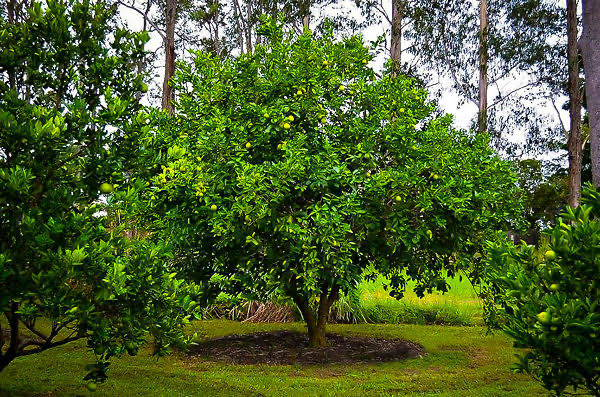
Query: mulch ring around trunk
point(291, 347)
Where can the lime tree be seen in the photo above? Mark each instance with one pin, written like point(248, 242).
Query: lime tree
point(67, 104)
point(295, 168)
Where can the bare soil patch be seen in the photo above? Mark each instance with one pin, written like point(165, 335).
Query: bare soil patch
point(291, 347)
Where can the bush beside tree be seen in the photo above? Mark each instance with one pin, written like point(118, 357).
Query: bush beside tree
point(549, 302)
point(67, 96)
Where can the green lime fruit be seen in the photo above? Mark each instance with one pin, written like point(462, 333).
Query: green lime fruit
point(287, 126)
point(298, 92)
point(213, 207)
point(248, 145)
point(290, 118)
point(544, 318)
point(325, 62)
point(131, 350)
point(92, 386)
point(435, 176)
point(144, 88)
point(553, 287)
point(99, 350)
point(550, 255)
point(398, 198)
point(341, 88)
point(106, 188)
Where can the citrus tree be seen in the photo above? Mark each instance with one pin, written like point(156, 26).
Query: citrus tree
point(67, 97)
point(297, 169)
point(548, 301)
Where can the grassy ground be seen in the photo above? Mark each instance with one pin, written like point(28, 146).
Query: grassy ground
point(461, 361)
point(459, 306)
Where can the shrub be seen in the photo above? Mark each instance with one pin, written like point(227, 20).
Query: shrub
point(548, 301)
point(67, 95)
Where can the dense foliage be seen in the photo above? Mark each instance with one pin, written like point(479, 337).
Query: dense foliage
point(295, 168)
point(67, 94)
point(549, 302)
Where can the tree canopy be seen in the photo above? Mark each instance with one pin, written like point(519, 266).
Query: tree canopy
point(295, 168)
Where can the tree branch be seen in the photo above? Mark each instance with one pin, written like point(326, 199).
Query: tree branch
point(51, 345)
point(502, 98)
point(562, 125)
point(131, 7)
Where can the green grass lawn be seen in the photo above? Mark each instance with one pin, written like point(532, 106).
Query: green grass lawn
point(461, 361)
point(459, 306)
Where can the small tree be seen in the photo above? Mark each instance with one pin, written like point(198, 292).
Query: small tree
point(548, 301)
point(66, 99)
point(295, 168)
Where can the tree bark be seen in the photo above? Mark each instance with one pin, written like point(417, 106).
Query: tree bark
point(309, 317)
point(274, 10)
point(170, 17)
point(13, 344)
point(318, 339)
point(575, 149)
point(305, 13)
point(316, 325)
point(483, 66)
point(4, 361)
point(306, 21)
point(10, 11)
point(249, 26)
point(590, 48)
point(396, 37)
point(237, 16)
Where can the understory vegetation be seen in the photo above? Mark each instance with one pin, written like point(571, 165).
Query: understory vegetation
point(370, 303)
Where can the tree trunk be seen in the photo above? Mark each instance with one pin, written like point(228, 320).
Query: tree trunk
point(170, 17)
point(575, 149)
point(248, 26)
point(590, 47)
point(396, 39)
point(306, 21)
point(13, 325)
point(274, 10)
point(4, 361)
point(305, 13)
point(237, 16)
point(309, 318)
point(10, 10)
point(483, 59)
point(317, 324)
point(317, 337)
